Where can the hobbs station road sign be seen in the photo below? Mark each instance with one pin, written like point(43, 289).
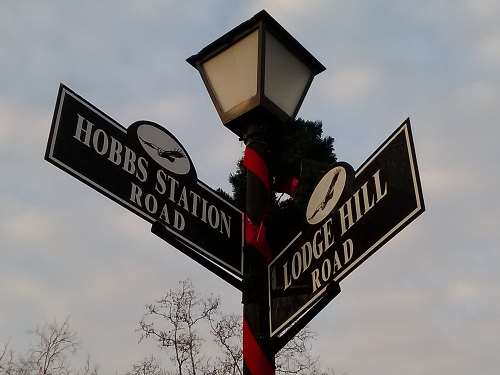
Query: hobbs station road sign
point(349, 217)
point(146, 170)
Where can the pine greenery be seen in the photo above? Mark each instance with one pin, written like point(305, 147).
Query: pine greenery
point(301, 151)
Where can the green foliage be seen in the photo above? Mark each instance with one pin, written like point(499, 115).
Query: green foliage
point(301, 151)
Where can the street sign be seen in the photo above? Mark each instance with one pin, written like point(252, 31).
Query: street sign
point(348, 218)
point(145, 169)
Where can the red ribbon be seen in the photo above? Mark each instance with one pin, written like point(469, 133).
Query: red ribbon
point(254, 163)
point(255, 235)
point(289, 187)
point(255, 359)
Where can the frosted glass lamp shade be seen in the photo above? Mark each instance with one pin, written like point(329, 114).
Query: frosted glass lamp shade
point(232, 74)
point(257, 72)
point(286, 76)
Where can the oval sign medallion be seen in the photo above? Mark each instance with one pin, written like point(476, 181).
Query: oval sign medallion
point(164, 149)
point(326, 195)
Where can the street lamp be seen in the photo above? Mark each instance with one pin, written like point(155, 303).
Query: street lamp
point(255, 72)
point(257, 75)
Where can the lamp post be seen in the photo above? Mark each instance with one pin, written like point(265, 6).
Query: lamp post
point(257, 76)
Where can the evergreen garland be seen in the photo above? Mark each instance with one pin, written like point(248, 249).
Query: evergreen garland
point(301, 151)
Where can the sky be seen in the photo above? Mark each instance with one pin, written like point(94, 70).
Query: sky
point(428, 302)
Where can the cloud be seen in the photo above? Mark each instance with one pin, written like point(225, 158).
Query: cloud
point(489, 49)
point(26, 128)
point(29, 229)
point(455, 182)
point(285, 11)
point(485, 10)
point(351, 85)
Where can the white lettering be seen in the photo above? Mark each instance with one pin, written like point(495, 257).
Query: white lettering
point(348, 246)
point(336, 262)
point(87, 131)
point(129, 161)
point(173, 184)
point(326, 270)
point(151, 203)
point(327, 234)
point(196, 198)
point(204, 210)
point(287, 281)
point(378, 189)
point(366, 199)
point(315, 279)
point(317, 246)
point(142, 174)
point(179, 221)
point(306, 255)
point(183, 199)
point(296, 265)
point(225, 224)
point(357, 205)
point(346, 215)
point(160, 185)
point(115, 152)
point(213, 217)
point(103, 148)
point(164, 214)
point(135, 195)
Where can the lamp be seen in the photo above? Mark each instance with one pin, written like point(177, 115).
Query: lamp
point(256, 72)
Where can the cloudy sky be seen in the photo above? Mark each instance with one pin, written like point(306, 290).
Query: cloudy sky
point(427, 303)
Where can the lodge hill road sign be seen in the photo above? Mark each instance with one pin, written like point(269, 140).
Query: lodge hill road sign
point(145, 169)
point(349, 216)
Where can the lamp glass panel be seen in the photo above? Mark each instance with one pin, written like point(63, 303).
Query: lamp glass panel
point(233, 72)
point(286, 76)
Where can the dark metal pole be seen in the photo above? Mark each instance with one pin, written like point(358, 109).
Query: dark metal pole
point(258, 356)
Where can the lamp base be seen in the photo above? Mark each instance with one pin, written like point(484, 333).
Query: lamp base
point(260, 116)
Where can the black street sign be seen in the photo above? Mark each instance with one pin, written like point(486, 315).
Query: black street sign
point(348, 218)
point(145, 169)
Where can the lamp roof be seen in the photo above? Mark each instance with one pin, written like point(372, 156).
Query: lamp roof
point(246, 27)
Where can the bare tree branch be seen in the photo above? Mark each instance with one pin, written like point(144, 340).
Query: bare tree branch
point(7, 364)
point(172, 322)
point(296, 356)
point(147, 366)
point(54, 343)
point(48, 355)
point(227, 332)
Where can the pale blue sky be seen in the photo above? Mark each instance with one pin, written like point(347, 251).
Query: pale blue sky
point(427, 303)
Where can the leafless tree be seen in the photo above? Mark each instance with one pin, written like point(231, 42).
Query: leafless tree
point(296, 356)
point(173, 322)
point(48, 355)
point(182, 311)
